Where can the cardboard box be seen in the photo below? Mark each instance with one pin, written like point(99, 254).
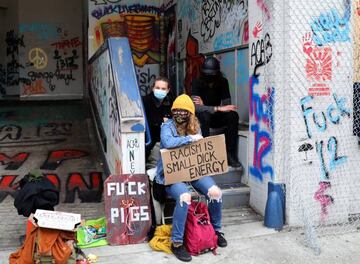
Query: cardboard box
point(191, 162)
point(57, 220)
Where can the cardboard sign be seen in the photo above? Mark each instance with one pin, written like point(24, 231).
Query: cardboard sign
point(57, 220)
point(191, 162)
point(127, 208)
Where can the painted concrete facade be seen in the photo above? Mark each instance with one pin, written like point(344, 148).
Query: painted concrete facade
point(302, 108)
point(43, 51)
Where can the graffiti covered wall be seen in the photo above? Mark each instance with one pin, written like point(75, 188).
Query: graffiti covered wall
point(143, 22)
point(217, 25)
point(44, 57)
point(326, 150)
point(261, 95)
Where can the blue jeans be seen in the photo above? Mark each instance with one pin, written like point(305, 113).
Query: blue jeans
point(180, 212)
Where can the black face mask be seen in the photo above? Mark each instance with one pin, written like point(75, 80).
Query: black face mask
point(180, 119)
point(211, 78)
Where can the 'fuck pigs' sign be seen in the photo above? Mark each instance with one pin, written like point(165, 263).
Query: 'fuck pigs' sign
point(191, 162)
point(127, 208)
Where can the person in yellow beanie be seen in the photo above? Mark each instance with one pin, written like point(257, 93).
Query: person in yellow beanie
point(182, 129)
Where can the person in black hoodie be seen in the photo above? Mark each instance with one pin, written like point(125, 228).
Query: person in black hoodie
point(157, 106)
point(212, 99)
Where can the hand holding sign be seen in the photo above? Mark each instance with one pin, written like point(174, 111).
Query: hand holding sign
point(196, 137)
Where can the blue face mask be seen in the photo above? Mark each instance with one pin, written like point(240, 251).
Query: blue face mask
point(160, 94)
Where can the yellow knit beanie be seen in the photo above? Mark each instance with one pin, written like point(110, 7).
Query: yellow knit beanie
point(184, 102)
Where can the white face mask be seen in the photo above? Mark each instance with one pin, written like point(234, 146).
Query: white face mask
point(160, 94)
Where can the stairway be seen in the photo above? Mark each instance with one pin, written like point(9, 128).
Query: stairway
point(59, 139)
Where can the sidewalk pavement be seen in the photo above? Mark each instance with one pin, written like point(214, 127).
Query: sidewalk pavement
point(248, 243)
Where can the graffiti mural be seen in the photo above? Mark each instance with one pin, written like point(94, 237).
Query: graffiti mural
point(142, 24)
point(216, 25)
point(194, 60)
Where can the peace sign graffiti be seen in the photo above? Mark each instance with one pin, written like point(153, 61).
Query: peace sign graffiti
point(38, 58)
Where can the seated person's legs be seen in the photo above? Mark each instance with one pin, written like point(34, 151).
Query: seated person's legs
point(230, 120)
point(180, 193)
point(204, 119)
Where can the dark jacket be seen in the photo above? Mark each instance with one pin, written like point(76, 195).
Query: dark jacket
point(41, 194)
point(155, 112)
point(214, 91)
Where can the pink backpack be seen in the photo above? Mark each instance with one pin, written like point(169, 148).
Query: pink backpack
point(199, 233)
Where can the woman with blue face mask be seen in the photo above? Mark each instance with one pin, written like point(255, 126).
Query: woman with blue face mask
point(157, 106)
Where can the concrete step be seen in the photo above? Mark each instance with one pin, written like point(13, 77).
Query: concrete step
point(231, 177)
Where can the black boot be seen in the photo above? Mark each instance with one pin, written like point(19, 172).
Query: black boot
point(233, 160)
point(180, 252)
point(221, 241)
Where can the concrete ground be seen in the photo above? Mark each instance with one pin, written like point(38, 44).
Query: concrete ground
point(248, 243)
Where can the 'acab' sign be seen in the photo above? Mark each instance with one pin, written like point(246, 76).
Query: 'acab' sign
point(191, 162)
point(127, 208)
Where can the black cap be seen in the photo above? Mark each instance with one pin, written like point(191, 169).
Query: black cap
point(210, 66)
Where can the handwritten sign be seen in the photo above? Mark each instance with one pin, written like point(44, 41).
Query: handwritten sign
point(127, 208)
point(191, 162)
point(57, 220)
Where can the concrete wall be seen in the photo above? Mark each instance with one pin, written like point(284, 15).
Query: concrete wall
point(301, 108)
point(45, 45)
point(9, 21)
point(261, 125)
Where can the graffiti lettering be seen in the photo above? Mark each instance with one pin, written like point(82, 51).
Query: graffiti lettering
point(91, 192)
point(67, 43)
point(261, 108)
point(146, 76)
point(67, 63)
point(324, 199)
point(119, 9)
point(55, 158)
point(6, 184)
point(210, 18)
point(261, 51)
point(11, 132)
point(49, 76)
point(329, 27)
point(335, 160)
point(330, 114)
point(14, 162)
